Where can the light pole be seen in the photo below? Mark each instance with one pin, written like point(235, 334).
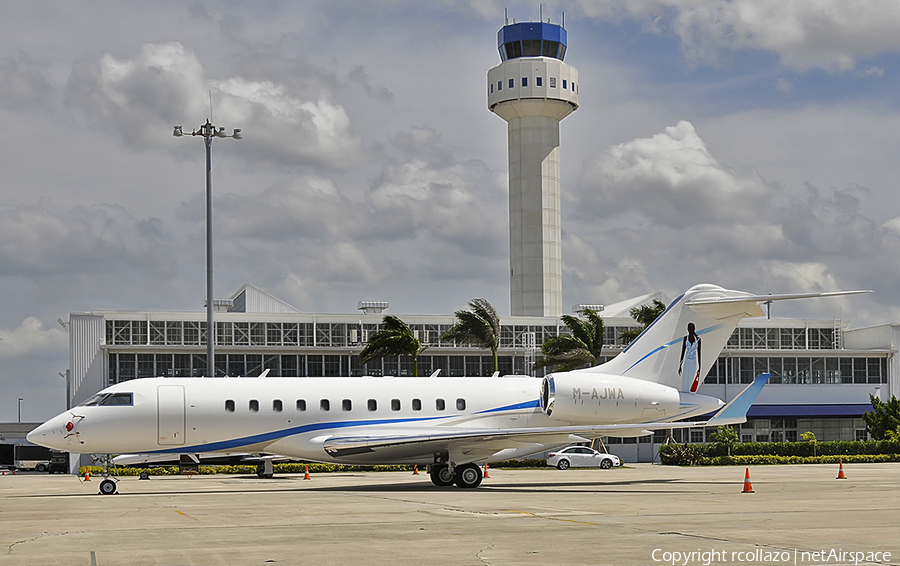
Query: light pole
point(208, 131)
point(20, 409)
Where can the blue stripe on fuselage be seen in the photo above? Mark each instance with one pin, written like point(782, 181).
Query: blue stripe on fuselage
point(226, 445)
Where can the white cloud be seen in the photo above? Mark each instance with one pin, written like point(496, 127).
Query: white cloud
point(673, 176)
point(30, 338)
point(141, 99)
point(828, 34)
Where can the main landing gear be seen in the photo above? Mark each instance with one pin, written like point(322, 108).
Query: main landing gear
point(465, 475)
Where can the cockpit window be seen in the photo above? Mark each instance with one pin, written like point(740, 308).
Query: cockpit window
point(118, 399)
point(95, 400)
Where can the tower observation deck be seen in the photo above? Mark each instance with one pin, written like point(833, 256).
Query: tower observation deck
point(533, 89)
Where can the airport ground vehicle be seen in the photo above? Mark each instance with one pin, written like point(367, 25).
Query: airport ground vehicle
point(25, 457)
point(582, 457)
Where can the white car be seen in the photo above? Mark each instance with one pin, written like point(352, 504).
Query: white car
point(582, 457)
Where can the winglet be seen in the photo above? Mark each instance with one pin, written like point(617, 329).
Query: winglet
point(436, 372)
point(735, 412)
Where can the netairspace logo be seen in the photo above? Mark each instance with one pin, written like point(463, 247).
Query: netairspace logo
point(760, 556)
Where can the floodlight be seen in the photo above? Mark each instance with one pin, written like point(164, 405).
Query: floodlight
point(178, 132)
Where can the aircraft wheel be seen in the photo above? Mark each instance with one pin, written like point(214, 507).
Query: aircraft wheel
point(107, 487)
point(563, 465)
point(468, 475)
point(145, 475)
point(606, 464)
point(441, 475)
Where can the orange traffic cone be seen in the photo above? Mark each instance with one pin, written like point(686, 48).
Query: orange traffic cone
point(416, 470)
point(87, 475)
point(486, 474)
point(748, 487)
point(306, 475)
point(841, 475)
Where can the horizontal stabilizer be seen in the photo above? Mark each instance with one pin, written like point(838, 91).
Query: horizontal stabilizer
point(766, 298)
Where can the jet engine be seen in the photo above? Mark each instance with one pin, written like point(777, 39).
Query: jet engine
point(594, 398)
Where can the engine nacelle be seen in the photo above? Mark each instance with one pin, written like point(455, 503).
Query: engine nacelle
point(595, 398)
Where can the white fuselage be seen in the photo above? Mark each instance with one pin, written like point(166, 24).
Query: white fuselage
point(296, 416)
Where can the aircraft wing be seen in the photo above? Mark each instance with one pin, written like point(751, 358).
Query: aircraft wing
point(478, 444)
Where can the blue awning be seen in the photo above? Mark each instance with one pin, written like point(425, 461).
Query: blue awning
point(806, 411)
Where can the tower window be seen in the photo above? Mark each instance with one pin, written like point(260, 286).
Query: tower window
point(552, 82)
point(539, 81)
point(492, 88)
point(564, 84)
point(512, 83)
point(499, 85)
point(524, 81)
point(573, 87)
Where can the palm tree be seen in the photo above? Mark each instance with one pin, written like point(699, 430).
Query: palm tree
point(643, 315)
point(479, 327)
point(569, 351)
point(395, 338)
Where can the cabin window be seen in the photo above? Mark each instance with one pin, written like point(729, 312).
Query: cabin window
point(229, 405)
point(254, 406)
point(460, 404)
point(439, 404)
point(395, 404)
point(346, 405)
point(277, 406)
point(372, 405)
point(301, 404)
point(325, 405)
point(417, 404)
point(95, 400)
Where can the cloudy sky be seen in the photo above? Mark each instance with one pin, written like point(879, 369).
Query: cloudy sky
point(749, 143)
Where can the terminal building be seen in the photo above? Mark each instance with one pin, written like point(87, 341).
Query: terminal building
point(823, 371)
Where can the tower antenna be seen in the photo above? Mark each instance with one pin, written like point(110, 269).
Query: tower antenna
point(542, 13)
point(210, 105)
point(506, 16)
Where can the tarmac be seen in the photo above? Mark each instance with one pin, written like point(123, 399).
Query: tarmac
point(639, 514)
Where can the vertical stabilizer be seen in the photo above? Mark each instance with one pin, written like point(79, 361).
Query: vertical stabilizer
point(680, 346)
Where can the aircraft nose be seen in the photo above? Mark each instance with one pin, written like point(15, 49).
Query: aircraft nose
point(52, 433)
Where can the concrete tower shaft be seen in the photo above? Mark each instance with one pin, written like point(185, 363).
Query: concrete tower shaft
point(533, 90)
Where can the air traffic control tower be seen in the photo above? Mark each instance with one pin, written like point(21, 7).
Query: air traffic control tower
point(532, 89)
